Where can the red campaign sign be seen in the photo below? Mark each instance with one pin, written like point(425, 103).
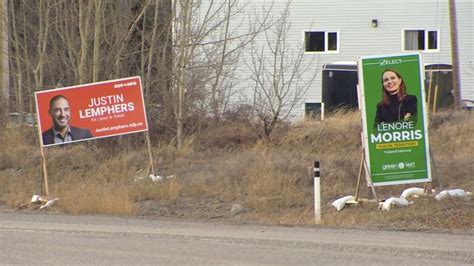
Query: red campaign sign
point(91, 111)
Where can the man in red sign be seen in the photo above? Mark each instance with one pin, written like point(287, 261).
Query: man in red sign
point(61, 131)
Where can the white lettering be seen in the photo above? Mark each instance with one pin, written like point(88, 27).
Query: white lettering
point(107, 110)
point(396, 136)
point(384, 62)
point(106, 100)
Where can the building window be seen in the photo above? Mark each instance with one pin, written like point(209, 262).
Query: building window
point(321, 41)
point(421, 40)
point(312, 110)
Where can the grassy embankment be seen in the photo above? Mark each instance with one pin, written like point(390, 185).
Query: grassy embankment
point(227, 165)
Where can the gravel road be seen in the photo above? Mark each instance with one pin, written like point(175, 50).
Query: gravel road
point(52, 239)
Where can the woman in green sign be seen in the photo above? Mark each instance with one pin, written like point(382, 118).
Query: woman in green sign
point(396, 104)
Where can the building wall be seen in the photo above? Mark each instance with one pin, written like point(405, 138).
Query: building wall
point(353, 21)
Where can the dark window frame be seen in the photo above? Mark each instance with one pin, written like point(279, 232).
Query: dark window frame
point(321, 41)
point(424, 40)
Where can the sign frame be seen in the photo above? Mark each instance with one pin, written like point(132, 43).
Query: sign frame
point(395, 152)
point(106, 108)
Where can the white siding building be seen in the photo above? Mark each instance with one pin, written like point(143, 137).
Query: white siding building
point(342, 30)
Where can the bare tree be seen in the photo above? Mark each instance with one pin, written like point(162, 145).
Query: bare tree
point(277, 72)
point(217, 90)
point(16, 55)
point(85, 14)
point(125, 38)
point(26, 58)
point(98, 13)
point(206, 49)
point(28, 53)
point(151, 52)
point(226, 54)
point(43, 31)
point(4, 59)
point(185, 53)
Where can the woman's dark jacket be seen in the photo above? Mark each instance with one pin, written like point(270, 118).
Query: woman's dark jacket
point(396, 110)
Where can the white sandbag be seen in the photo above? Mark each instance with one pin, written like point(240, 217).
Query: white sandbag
point(414, 192)
point(455, 193)
point(37, 199)
point(393, 201)
point(154, 178)
point(339, 204)
point(49, 203)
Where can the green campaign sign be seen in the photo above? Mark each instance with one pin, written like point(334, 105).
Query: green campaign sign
point(395, 132)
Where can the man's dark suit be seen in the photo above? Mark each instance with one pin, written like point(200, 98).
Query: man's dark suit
point(76, 133)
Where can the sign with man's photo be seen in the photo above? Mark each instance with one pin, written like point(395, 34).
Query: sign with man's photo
point(89, 111)
point(391, 90)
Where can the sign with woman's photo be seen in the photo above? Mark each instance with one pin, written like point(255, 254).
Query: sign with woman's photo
point(395, 132)
point(88, 111)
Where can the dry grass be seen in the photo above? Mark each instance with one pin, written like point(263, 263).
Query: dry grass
point(149, 190)
point(94, 198)
point(220, 167)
